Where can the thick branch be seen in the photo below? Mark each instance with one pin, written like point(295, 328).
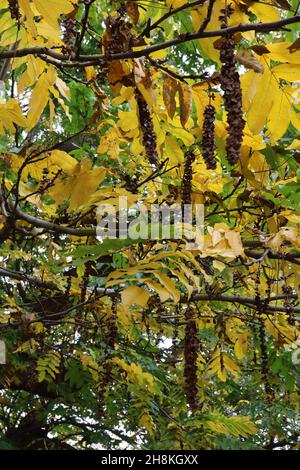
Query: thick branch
point(51, 227)
point(96, 59)
point(91, 231)
point(249, 302)
point(24, 277)
point(292, 257)
point(234, 299)
point(257, 27)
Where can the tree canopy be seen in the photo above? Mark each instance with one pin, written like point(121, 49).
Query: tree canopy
point(149, 342)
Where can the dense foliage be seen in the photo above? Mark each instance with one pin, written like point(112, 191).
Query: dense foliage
point(149, 342)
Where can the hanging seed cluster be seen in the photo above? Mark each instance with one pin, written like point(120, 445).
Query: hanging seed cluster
point(230, 83)
point(111, 338)
point(191, 346)
point(119, 35)
point(68, 285)
point(186, 191)
point(69, 32)
point(48, 180)
point(149, 137)
point(208, 137)
point(84, 283)
point(175, 337)
point(288, 304)
point(14, 9)
point(265, 370)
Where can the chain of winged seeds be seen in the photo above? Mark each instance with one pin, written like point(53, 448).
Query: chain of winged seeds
point(191, 346)
point(149, 136)
point(14, 9)
point(111, 338)
point(208, 137)
point(230, 83)
point(69, 32)
point(265, 370)
point(288, 303)
point(186, 188)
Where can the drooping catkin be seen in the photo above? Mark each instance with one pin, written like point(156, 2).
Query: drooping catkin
point(14, 9)
point(191, 346)
point(208, 137)
point(230, 83)
point(69, 35)
point(288, 303)
point(186, 189)
point(148, 134)
point(110, 339)
point(265, 369)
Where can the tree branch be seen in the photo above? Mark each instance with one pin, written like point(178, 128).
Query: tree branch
point(87, 6)
point(249, 302)
point(292, 257)
point(95, 59)
point(24, 277)
point(170, 13)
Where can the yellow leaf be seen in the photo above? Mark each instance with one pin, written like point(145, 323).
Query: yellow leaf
point(175, 3)
point(235, 425)
point(29, 345)
point(289, 72)
point(134, 295)
point(280, 52)
point(295, 145)
point(63, 88)
point(51, 12)
point(290, 215)
point(39, 98)
point(220, 363)
point(53, 161)
point(147, 422)
point(241, 345)
point(255, 142)
point(11, 113)
point(128, 120)
point(207, 45)
point(257, 114)
point(199, 15)
point(185, 101)
point(161, 291)
point(186, 137)
point(90, 73)
point(25, 6)
point(78, 184)
point(271, 328)
point(170, 88)
point(168, 284)
point(5, 21)
point(290, 234)
point(109, 143)
point(173, 151)
point(38, 328)
point(201, 98)
point(235, 242)
point(264, 12)
point(231, 366)
point(279, 117)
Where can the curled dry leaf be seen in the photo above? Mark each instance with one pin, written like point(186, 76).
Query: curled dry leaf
point(249, 61)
